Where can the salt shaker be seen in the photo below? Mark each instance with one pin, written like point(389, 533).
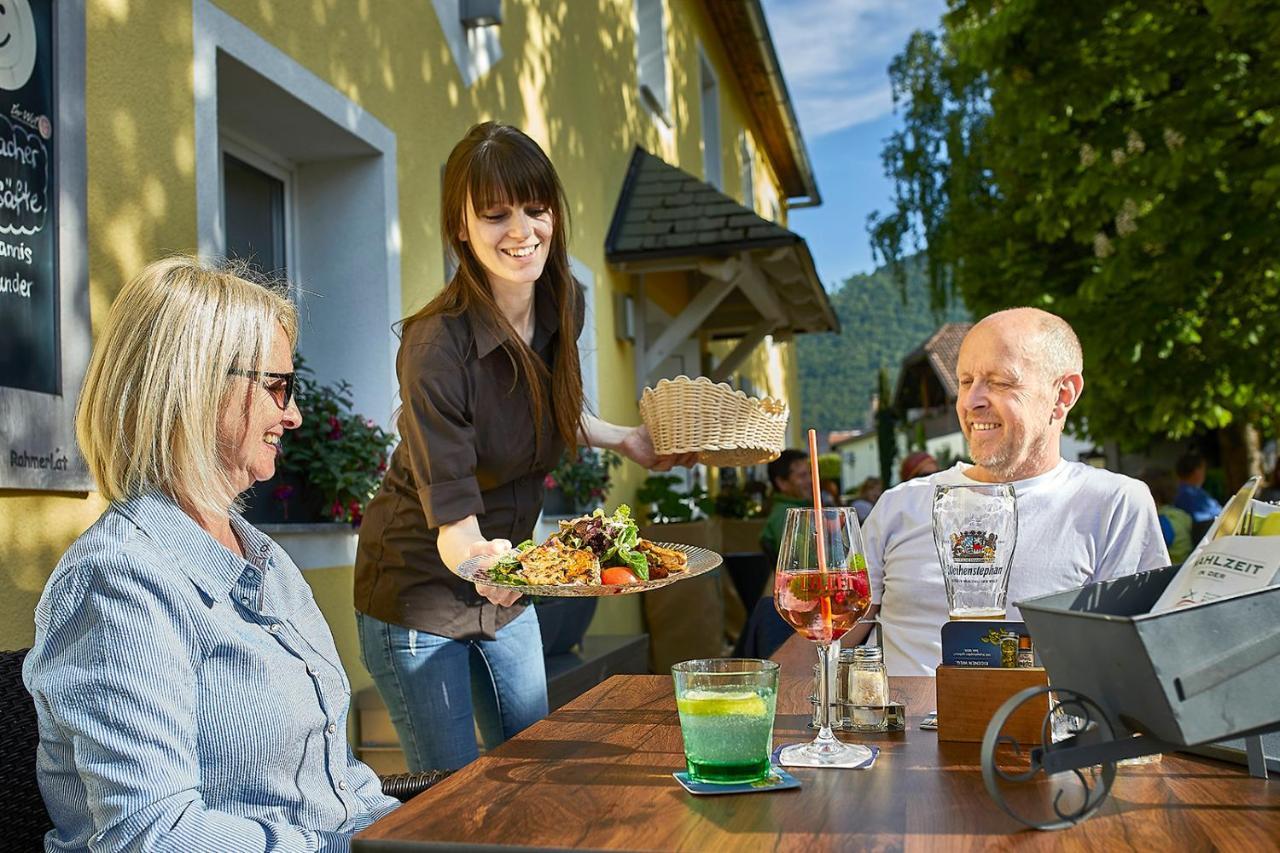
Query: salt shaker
point(868, 689)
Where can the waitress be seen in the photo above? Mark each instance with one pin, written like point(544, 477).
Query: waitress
point(491, 395)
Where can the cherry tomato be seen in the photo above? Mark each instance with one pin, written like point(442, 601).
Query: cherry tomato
point(618, 575)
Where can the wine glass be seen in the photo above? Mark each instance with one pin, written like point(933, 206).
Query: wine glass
point(822, 606)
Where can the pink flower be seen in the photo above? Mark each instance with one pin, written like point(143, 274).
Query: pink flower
point(549, 482)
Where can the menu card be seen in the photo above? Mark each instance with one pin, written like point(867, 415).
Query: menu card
point(1227, 566)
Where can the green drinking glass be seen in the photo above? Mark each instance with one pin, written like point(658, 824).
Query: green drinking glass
point(726, 710)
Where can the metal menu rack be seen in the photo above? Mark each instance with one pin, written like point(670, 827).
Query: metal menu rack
point(1125, 683)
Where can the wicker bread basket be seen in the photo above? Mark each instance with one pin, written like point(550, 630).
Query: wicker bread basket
point(725, 427)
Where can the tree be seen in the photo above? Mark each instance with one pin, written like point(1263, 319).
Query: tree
point(886, 422)
point(1117, 163)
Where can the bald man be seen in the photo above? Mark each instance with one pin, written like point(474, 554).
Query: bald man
point(1019, 372)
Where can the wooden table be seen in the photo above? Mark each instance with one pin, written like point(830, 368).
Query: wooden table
point(596, 774)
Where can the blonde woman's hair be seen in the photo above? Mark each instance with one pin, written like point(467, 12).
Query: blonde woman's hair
point(158, 380)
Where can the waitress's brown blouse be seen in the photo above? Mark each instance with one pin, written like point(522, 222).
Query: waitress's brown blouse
point(466, 448)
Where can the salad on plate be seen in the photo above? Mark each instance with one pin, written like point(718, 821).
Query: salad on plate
point(591, 550)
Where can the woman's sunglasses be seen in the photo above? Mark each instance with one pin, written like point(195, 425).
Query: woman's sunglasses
point(280, 389)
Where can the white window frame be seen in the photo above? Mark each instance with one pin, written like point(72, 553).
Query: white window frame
point(709, 105)
point(270, 164)
point(588, 346)
point(474, 50)
point(652, 61)
point(747, 163)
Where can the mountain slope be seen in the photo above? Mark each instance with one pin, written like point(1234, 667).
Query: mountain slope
point(838, 372)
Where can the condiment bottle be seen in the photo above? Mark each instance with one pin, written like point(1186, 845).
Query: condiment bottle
point(1026, 657)
point(1009, 650)
point(868, 689)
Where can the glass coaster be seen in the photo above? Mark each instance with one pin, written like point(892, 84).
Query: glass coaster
point(777, 780)
point(865, 764)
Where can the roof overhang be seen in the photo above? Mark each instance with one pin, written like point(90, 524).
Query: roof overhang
point(927, 379)
point(666, 219)
point(744, 33)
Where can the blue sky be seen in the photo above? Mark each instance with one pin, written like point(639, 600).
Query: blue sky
point(835, 55)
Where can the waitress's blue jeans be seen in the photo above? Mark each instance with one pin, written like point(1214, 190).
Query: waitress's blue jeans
point(439, 690)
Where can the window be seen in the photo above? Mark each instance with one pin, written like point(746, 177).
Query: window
point(329, 218)
point(588, 352)
point(474, 49)
point(651, 55)
point(255, 207)
point(710, 88)
point(747, 161)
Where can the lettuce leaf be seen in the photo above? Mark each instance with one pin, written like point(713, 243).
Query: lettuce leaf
point(635, 561)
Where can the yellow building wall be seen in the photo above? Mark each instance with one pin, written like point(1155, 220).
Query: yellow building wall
point(139, 113)
point(567, 77)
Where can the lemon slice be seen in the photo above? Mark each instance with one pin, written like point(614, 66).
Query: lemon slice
point(714, 703)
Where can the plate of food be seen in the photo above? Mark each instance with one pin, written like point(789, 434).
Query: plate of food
point(591, 555)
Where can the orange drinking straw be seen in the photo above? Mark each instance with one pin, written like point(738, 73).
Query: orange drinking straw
point(823, 600)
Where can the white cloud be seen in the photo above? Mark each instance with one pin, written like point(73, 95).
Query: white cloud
point(835, 55)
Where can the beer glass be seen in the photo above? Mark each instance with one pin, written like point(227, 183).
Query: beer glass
point(975, 529)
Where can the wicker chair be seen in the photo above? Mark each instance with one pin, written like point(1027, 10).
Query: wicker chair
point(26, 820)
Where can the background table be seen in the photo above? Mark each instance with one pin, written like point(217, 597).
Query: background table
point(596, 774)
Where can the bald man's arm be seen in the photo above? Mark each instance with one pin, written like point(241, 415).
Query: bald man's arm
point(858, 633)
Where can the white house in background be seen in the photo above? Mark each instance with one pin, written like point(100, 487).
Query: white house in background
point(859, 458)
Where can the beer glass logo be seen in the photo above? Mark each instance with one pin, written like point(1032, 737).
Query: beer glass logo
point(973, 546)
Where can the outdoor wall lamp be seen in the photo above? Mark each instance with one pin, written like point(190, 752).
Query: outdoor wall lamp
point(480, 13)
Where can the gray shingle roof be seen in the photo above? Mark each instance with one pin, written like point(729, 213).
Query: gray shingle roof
point(665, 212)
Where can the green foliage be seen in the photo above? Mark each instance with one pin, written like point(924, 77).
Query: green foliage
point(829, 466)
point(583, 477)
point(665, 504)
point(335, 452)
point(917, 439)
point(881, 325)
point(735, 501)
point(947, 458)
point(1117, 163)
point(886, 427)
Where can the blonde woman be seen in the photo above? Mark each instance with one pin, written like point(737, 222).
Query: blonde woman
point(188, 691)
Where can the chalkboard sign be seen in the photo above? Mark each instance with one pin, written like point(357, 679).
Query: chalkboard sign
point(29, 304)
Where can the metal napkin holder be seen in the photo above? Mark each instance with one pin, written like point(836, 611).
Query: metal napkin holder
point(1140, 683)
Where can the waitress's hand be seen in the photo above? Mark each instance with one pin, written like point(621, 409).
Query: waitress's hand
point(637, 445)
point(498, 595)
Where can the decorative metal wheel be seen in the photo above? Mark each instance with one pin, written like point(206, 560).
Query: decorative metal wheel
point(1010, 768)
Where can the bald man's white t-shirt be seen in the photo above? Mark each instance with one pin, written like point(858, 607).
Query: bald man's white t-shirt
point(1076, 525)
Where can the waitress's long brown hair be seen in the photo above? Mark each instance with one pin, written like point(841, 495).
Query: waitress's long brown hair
point(496, 164)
